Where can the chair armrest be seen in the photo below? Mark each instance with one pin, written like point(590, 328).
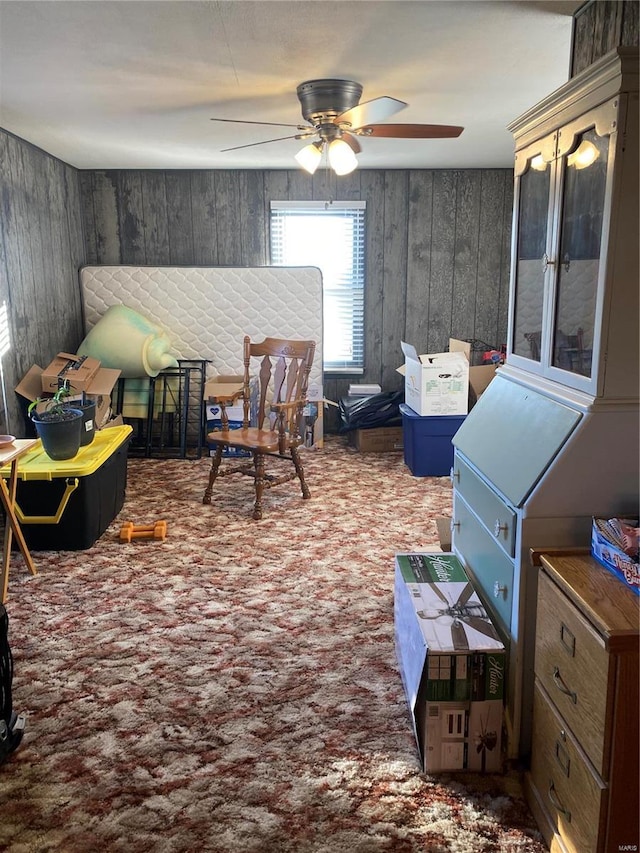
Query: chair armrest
point(224, 399)
point(294, 404)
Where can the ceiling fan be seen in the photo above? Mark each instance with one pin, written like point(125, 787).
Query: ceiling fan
point(335, 115)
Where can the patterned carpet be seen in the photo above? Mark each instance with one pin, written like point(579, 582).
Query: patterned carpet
point(234, 689)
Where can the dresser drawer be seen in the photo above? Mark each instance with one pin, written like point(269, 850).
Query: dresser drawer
point(573, 666)
point(491, 567)
point(573, 796)
point(497, 517)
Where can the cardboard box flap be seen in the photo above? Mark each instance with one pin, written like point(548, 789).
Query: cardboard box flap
point(409, 351)
point(456, 345)
point(480, 377)
point(30, 386)
point(411, 649)
point(103, 382)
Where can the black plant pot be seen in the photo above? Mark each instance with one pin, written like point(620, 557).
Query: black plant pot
point(60, 433)
point(88, 429)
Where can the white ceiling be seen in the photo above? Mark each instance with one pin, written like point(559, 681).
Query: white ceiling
point(133, 83)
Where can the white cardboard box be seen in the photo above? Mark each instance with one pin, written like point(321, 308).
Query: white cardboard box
point(436, 383)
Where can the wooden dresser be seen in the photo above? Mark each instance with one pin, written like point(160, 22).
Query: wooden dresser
point(583, 782)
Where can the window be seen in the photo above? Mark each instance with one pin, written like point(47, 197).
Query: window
point(328, 235)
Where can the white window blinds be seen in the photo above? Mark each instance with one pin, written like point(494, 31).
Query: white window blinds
point(330, 236)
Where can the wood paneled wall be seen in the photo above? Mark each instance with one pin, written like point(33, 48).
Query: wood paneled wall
point(41, 249)
point(437, 243)
point(600, 26)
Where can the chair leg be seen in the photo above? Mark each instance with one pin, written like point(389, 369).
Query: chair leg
point(306, 494)
point(215, 465)
point(258, 462)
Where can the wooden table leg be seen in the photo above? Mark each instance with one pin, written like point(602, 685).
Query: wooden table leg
point(12, 528)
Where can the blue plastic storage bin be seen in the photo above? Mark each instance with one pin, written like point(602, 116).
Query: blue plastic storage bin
point(428, 451)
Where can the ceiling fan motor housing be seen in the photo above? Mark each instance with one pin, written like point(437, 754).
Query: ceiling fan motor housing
point(323, 100)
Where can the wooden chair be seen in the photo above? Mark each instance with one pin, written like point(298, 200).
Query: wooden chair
point(281, 397)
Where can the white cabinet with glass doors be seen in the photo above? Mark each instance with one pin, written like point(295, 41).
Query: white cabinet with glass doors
point(553, 441)
point(574, 295)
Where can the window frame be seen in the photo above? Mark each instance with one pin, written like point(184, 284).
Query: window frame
point(346, 296)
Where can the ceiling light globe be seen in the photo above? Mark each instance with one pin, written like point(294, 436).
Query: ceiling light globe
point(309, 157)
point(341, 158)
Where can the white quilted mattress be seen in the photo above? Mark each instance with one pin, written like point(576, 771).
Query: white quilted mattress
point(578, 300)
point(207, 311)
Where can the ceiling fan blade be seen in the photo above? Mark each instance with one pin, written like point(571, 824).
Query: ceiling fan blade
point(270, 123)
point(411, 131)
point(352, 142)
point(265, 141)
point(371, 111)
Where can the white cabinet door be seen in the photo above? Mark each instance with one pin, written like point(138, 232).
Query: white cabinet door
point(563, 194)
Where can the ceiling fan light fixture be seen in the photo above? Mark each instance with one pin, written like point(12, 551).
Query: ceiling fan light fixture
point(310, 156)
point(341, 158)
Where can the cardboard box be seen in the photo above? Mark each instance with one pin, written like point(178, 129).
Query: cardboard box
point(435, 383)
point(376, 440)
point(78, 371)
point(443, 526)
point(213, 411)
point(452, 663)
point(613, 558)
point(99, 389)
point(463, 736)
point(222, 386)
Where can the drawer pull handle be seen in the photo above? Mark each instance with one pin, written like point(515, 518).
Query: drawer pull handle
point(499, 590)
point(562, 687)
point(500, 528)
point(454, 475)
point(562, 756)
point(555, 802)
point(567, 639)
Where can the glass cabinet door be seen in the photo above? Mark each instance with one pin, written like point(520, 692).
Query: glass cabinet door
point(573, 292)
point(533, 197)
point(578, 259)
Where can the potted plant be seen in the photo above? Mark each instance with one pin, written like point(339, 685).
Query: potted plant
point(88, 408)
point(59, 425)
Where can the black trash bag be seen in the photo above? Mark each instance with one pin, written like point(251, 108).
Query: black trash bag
point(378, 410)
point(11, 724)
